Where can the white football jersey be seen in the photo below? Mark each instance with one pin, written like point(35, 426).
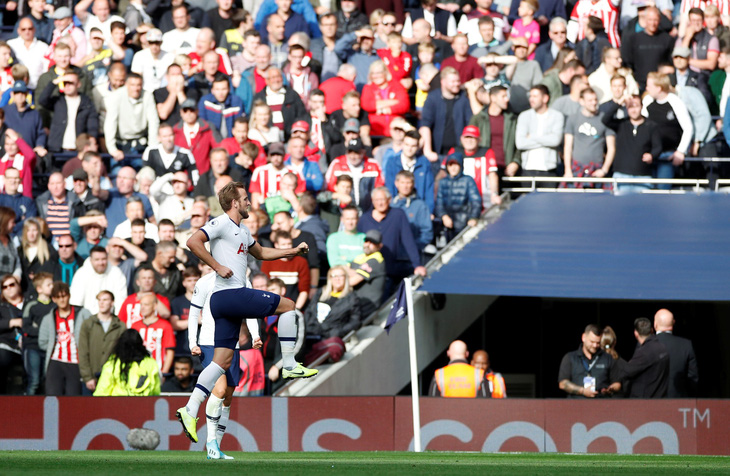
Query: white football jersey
point(201, 298)
point(229, 245)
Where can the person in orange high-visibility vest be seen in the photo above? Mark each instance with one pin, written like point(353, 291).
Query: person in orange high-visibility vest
point(459, 379)
point(495, 381)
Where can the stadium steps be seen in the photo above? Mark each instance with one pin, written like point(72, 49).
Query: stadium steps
point(376, 363)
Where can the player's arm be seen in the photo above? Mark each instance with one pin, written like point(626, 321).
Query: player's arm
point(268, 254)
point(196, 244)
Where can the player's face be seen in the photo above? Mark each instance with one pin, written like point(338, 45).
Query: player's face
point(244, 204)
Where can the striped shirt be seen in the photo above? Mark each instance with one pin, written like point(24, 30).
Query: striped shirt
point(65, 349)
point(58, 217)
point(276, 103)
point(603, 9)
point(722, 5)
point(266, 180)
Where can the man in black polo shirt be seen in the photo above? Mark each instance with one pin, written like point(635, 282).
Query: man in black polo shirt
point(589, 371)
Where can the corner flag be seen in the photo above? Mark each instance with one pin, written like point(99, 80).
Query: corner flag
point(399, 310)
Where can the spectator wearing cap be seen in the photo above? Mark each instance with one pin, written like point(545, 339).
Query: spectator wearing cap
point(445, 114)
point(357, 49)
point(298, 164)
point(336, 87)
point(497, 125)
point(178, 205)
point(285, 104)
point(383, 99)
point(385, 152)
point(100, 16)
point(88, 195)
point(64, 26)
point(300, 77)
point(365, 172)
point(131, 123)
point(409, 159)
point(152, 62)
point(399, 248)
point(28, 47)
point(351, 109)
point(220, 108)
point(266, 179)
point(72, 113)
point(458, 203)
point(26, 121)
point(684, 76)
point(24, 207)
point(169, 97)
point(480, 164)
point(19, 155)
point(196, 135)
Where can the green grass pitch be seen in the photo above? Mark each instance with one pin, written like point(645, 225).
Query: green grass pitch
point(137, 463)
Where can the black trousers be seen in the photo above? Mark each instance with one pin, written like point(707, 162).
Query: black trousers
point(63, 379)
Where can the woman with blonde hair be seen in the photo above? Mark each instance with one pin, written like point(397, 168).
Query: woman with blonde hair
point(34, 252)
point(383, 99)
point(260, 128)
point(608, 344)
point(334, 309)
point(9, 260)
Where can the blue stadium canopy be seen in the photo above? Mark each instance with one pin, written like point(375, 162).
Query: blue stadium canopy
point(564, 245)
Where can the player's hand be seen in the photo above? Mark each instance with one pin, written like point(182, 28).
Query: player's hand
point(195, 351)
point(257, 343)
point(302, 249)
point(224, 272)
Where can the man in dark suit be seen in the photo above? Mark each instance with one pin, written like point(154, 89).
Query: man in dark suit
point(648, 369)
point(683, 376)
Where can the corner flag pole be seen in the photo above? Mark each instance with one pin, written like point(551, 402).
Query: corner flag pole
point(415, 394)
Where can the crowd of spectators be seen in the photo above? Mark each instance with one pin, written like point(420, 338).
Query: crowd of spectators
point(373, 131)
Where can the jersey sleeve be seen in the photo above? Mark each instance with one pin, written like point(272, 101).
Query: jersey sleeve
point(214, 228)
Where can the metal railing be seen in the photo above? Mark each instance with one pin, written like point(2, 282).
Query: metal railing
point(720, 183)
point(696, 184)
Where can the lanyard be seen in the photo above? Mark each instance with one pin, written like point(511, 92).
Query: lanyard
point(585, 364)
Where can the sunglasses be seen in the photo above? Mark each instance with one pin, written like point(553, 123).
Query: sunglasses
point(9, 285)
point(387, 24)
point(67, 246)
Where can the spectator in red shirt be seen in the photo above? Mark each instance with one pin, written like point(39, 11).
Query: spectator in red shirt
point(399, 62)
point(335, 88)
point(129, 311)
point(383, 98)
point(234, 144)
point(462, 61)
point(196, 135)
point(157, 334)
point(293, 271)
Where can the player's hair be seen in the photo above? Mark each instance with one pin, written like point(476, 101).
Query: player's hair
point(40, 277)
point(229, 193)
point(406, 174)
point(128, 350)
point(59, 288)
point(191, 272)
point(593, 329)
point(643, 326)
point(105, 292)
